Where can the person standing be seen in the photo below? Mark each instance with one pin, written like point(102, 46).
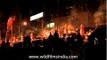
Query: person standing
point(9, 31)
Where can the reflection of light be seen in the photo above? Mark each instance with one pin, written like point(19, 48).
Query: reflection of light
point(37, 16)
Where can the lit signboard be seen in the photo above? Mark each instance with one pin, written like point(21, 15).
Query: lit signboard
point(37, 16)
point(50, 25)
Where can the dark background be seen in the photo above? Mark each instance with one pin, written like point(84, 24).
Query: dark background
point(50, 7)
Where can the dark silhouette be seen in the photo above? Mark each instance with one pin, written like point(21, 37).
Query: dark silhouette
point(27, 41)
point(98, 50)
point(71, 45)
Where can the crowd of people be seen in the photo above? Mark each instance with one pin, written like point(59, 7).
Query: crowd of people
point(73, 45)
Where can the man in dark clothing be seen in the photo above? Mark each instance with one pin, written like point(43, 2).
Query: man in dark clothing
point(27, 41)
point(56, 35)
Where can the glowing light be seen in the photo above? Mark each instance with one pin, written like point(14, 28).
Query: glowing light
point(37, 16)
point(25, 23)
point(73, 32)
point(47, 26)
point(0, 42)
point(81, 29)
point(50, 25)
point(46, 33)
point(69, 31)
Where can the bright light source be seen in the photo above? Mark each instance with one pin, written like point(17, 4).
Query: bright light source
point(69, 31)
point(50, 25)
point(47, 26)
point(37, 16)
point(25, 23)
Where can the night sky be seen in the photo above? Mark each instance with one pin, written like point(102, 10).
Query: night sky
point(31, 7)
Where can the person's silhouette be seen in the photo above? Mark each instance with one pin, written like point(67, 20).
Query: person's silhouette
point(27, 41)
point(56, 35)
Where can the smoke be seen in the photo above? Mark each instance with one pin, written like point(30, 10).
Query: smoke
point(100, 15)
point(80, 17)
point(89, 18)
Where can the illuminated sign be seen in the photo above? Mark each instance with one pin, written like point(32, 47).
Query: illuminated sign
point(50, 25)
point(37, 16)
